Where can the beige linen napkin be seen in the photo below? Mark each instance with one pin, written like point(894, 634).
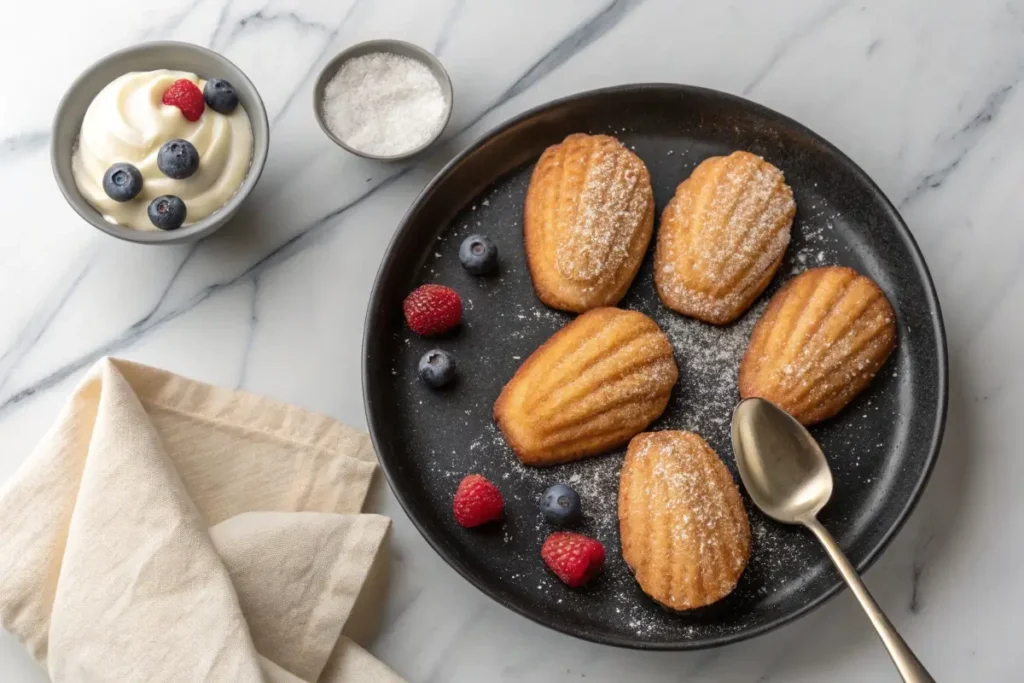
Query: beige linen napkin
point(167, 530)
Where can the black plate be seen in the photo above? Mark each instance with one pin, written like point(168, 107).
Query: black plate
point(882, 447)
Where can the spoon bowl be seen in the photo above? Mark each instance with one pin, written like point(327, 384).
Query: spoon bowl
point(780, 463)
point(787, 476)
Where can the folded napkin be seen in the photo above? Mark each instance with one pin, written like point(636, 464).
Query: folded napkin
point(167, 530)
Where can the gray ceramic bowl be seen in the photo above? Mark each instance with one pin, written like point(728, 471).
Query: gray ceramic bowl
point(148, 57)
point(398, 47)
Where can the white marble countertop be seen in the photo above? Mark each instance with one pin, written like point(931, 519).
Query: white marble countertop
point(924, 94)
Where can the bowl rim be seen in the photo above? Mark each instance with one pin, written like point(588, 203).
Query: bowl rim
point(429, 59)
point(201, 228)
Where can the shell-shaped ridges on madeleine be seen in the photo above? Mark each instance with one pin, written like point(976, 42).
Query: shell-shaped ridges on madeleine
point(684, 529)
point(588, 219)
point(597, 382)
point(722, 237)
point(821, 340)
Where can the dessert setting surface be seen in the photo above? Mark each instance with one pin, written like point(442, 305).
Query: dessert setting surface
point(541, 272)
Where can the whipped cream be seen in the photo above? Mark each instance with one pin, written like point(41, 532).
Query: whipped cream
point(127, 122)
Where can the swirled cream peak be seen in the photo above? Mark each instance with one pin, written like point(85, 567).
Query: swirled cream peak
point(127, 122)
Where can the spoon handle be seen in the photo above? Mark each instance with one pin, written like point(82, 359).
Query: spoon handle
point(908, 665)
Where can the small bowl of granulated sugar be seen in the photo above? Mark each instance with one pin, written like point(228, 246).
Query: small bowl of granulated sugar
point(383, 99)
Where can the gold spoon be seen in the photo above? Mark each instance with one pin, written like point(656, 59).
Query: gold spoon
point(787, 476)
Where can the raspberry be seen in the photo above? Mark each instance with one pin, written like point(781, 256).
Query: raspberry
point(186, 96)
point(432, 309)
point(574, 558)
point(477, 501)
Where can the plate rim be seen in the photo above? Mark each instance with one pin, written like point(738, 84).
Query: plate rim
point(918, 263)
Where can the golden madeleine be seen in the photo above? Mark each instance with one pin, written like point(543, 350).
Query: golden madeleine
point(684, 529)
point(592, 386)
point(587, 221)
point(821, 340)
point(722, 237)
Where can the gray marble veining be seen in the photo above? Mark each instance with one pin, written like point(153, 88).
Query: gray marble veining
point(924, 94)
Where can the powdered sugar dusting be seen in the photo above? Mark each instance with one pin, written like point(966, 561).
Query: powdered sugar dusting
point(612, 201)
point(709, 359)
point(676, 475)
point(837, 354)
point(727, 226)
point(691, 499)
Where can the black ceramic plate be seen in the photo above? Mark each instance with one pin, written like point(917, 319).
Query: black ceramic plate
point(881, 447)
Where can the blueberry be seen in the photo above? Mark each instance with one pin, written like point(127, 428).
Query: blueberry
point(167, 212)
point(478, 255)
point(437, 368)
point(561, 506)
point(220, 95)
point(122, 182)
point(178, 159)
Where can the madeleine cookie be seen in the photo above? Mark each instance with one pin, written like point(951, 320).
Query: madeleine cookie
point(596, 383)
point(722, 237)
point(587, 222)
point(684, 529)
point(820, 341)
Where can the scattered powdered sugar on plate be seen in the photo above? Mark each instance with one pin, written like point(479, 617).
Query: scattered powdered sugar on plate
point(708, 359)
point(813, 252)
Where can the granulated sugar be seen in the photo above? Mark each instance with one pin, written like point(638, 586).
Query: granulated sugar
point(383, 104)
